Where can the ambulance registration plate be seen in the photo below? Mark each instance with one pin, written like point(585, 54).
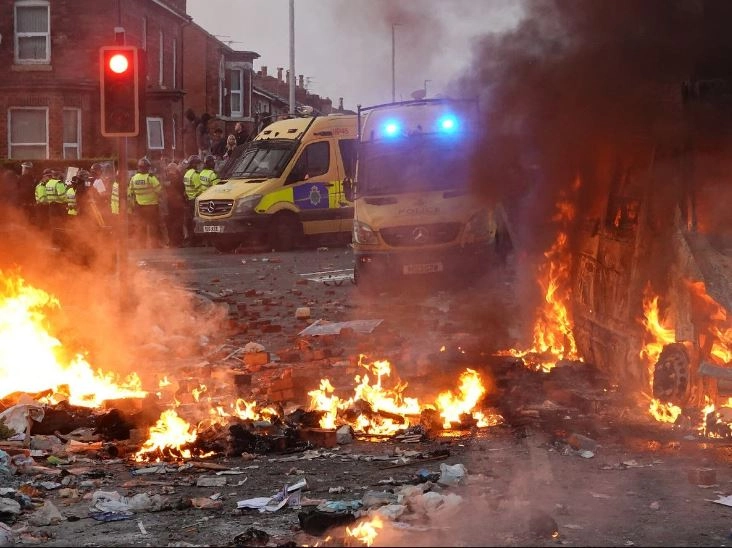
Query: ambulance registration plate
point(213, 228)
point(422, 268)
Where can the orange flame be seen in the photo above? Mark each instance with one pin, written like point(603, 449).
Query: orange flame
point(721, 333)
point(553, 335)
point(393, 402)
point(32, 360)
point(451, 407)
point(659, 336)
point(168, 435)
point(366, 531)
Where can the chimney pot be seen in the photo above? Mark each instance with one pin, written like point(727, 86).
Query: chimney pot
point(301, 79)
point(340, 103)
point(279, 73)
point(287, 77)
point(264, 71)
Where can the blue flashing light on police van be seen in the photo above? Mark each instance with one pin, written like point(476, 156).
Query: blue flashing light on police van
point(391, 129)
point(448, 124)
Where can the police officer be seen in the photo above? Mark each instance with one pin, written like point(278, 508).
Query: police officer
point(144, 195)
point(41, 210)
point(208, 176)
point(192, 185)
point(56, 198)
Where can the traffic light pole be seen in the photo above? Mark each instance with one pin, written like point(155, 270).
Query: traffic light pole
point(122, 226)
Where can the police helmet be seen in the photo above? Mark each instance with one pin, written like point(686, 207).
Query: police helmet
point(143, 164)
point(209, 162)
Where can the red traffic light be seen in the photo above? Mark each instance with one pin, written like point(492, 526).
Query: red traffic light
point(119, 91)
point(119, 63)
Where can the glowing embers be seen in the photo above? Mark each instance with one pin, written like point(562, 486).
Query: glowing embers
point(379, 406)
point(33, 361)
point(553, 338)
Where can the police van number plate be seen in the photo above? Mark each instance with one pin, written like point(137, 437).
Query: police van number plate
point(213, 228)
point(425, 268)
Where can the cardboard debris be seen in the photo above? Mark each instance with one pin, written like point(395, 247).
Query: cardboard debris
point(324, 327)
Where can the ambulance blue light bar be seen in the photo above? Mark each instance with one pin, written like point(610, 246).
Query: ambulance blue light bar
point(391, 128)
point(447, 124)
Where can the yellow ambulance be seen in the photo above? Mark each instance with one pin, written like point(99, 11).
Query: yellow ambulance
point(285, 186)
point(414, 210)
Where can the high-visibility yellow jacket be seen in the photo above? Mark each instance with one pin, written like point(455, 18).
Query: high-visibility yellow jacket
point(41, 193)
point(71, 208)
point(192, 183)
point(208, 178)
point(145, 189)
point(114, 199)
point(55, 191)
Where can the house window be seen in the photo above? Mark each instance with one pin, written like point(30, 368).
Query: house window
point(155, 138)
point(72, 133)
point(32, 34)
point(160, 61)
point(28, 133)
point(235, 93)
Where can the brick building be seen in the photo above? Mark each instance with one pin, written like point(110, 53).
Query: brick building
point(49, 75)
point(49, 78)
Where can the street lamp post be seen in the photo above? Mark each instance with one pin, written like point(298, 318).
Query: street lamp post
point(292, 57)
point(393, 63)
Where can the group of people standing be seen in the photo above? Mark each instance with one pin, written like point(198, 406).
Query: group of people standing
point(200, 140)
point(160, 199)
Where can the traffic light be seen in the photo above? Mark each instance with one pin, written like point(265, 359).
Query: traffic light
point(118, 84)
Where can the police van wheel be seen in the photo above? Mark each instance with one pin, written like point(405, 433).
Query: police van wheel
point(224, 245)
point(285, 232)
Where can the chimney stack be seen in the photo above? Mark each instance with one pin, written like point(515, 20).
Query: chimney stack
point(340, 104)
point(263, 71)
point(279, 73)
point(301, 81)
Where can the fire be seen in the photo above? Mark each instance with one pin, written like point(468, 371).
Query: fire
point(366, 531)
point(718, 329)
point(391, 400)
point(26, 345)
point(168, 436)
point(471, 391)
point(246, 410)
point(553, 336)
point(659, 336)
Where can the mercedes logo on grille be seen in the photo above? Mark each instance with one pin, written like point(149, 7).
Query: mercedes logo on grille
point(420, 234)
point(211, 207)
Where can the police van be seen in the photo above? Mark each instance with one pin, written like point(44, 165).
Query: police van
point(286, 185)
point(414, 210)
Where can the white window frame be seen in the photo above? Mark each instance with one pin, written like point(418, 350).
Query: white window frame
point(77, 144)
point(161, 80)
point(18, 35)
point(172, 134)
point(240, 92)
point(10, 122)
point(154, 119)
point(175, 62)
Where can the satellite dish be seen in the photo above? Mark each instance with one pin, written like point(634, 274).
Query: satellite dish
point(419, 94)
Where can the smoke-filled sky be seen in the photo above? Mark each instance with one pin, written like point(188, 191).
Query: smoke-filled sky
point(344, 46)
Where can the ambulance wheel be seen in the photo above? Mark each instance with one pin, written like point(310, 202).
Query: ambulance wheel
point(285, 232)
